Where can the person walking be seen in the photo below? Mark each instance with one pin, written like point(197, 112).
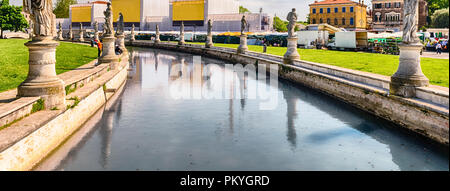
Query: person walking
point(438, 48)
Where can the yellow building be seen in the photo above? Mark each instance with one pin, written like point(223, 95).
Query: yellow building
point(339, 13)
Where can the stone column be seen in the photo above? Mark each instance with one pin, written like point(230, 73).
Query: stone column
point(157, 40)
point(291, 53)
point(81, 39)
point(121, 42)
point(108, 52)
point(132, 34)
point(409, 75)
point(42, 80)
point(209, 39)
point(96, 31)
point(181, 41)
point(60, 31)
point(243, 44)
point(70, 33)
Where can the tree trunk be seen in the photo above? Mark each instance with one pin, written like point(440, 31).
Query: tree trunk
point(1, 33)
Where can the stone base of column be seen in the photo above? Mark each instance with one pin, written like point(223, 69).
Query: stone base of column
point(81, 39)
point(243, 44)
point(181, 41)
point(121, 43)
point(42, 80)
point(108, 53)
point(209, 42)
point(409, 75)
point(291, 53)
point(60, 37)
point(96, 36)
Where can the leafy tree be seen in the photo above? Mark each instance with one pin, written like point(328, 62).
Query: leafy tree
point(279, 25)
point(4, 3)
point(11, 18)
point(62, 8)
point(243, 10)
point(434, 5)
point(440, 18)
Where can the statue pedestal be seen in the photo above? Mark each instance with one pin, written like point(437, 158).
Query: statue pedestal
point(157, 40)
point(409, 74)
point(81, 39)
point(209, 41)
point(291, 53)
point(108, 53)
point(181, 41)
point(121, 42)
point(60, 37)
point(243, 44)
point(42, 80)
point(96, 36)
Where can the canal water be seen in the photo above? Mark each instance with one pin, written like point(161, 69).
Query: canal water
point(164, 120)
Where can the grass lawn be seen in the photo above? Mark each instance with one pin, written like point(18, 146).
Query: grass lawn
point(437, 70)
point(14, 60)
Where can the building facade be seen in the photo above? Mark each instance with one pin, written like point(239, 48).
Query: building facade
point(168, 14)
point(387, 15)
point(339, 13)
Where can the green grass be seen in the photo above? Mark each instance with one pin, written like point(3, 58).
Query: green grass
point(14, 60)
point(437, 70)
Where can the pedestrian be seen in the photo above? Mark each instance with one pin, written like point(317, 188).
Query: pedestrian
point(438, 48)
point(100, 48)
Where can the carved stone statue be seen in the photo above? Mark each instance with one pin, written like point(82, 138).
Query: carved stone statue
point(95, 26)
point(182, 28)
point(120, 25)
point(157, 40)
point(243, 24)
point(108, 26)
point(410, 21)
point(70, 32)
point(209, 41)
point(132, 33)
point(81, 26)
point(209, 26)
point(41, 12)
point(292, 18)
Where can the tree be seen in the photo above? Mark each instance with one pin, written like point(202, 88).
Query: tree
point(62, 8)
point(4, 2)
point(440, 18)
point(11, 18)
point(434, 5)
point(243, 10)
point(279, 25)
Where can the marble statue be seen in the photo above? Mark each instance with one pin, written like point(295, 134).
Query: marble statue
point(120, 25)
point(209, 26)
point(410, 21)
point(243, 24)
point(108, 26)
point(95, 26)
point(292, 18)
point(41, 12)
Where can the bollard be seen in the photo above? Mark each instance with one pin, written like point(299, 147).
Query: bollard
point(265, 48)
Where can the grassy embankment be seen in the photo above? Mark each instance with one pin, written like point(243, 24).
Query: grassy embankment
point(14, 60)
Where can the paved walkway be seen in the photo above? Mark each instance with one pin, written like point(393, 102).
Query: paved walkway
point(427, 54)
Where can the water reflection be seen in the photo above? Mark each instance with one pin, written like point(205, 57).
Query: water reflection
point(148, 129)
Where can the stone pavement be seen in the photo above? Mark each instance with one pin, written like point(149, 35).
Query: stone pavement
point(427, 54)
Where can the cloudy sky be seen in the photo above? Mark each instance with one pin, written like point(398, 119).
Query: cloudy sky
point(278, 7)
